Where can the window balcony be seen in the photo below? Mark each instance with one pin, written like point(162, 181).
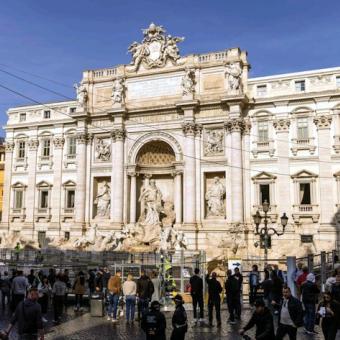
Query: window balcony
point(336, 145)
point(265, 146)
point(18, 214)
point(43, 213)
point(67, 214)
point(301, 211)
point(299, 144)
point(70, 159)
point(272, 214)
point(20, 162)
point(45, 160)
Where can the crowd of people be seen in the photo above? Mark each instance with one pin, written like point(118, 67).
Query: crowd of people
point(29, 298)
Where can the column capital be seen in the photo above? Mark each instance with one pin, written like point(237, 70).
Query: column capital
point(247, 127)
point(58, 142)
point(118, 134)
point(9, 146)
point(82, 137)
point(175, 173)
point(191, 129)
point(132, 174)
point(234, 125)
point(33, 144)
point(281, 125)
point(323, 122)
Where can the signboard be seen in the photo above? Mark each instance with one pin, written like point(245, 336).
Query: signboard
point(235, 263)
point(307, 238)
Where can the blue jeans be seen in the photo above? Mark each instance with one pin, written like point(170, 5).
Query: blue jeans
point(113, 304)
point(309, 316)
point(130, 307)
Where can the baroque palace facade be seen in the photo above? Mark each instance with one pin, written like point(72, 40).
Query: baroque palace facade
point(213, 145)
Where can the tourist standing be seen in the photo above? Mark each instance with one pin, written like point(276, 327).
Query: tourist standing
point(99, 284)
point(232, 289)
point(276, 292)
point(66, 278)
point(196, 284)
point(145, 290)
point(214, 298)
point(254, 282)
point(91, 281)
point(51, 276)
point(301, 279)
point(290, 316)
point(19, 288)
point(79, 290)
point(154, 322)
point(130, 291)
point(44, 290)
point(278, 272)
point(267, 285)
point(179, 320)
point(263, 320)
point(310, 293)
point(238, 276)
point(115, 290)
point(295, 275)
point(59, 292)
point(28, 317)
point(5, 288)
point(106, 277)
point(31, 278)
point(329, 312)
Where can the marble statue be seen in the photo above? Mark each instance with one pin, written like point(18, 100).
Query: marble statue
point(103, 150)
point(215, 199)
point(103, 200)
point(234, 239)
point(214, 142)
point(155, 49)
point(188, 82)
point(118, 91)
point(82, 95)
point(151, 203)
point(168, 213)
point(233, 73)
point(10, 240)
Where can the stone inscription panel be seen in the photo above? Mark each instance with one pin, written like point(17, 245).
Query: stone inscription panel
point(154, 88)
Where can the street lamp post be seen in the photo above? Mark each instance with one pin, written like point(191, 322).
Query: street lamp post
point(266, 232)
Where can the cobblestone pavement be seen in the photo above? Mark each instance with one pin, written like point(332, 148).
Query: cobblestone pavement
point(81, 326)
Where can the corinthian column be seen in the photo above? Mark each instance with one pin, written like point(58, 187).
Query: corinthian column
point(178, 195)
point(133, 197)
point(117, 177)
point(31, 189)
point(81, 179)
point(189, 130)
point(6, 201)
point(235, 127)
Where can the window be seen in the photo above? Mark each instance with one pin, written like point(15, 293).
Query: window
point(262, 131)
point(44, 199)
point(264, 193)
point(305, 194)
point(67, 235)
point(302, 128)
point(21, 149)
point(261, 90)
point(73, 109)
point(72, 146)
point(46, 148)
point(300, 86)
point(42, 238)
point(70, 199)
point(18, 199)
point(22, 117)
point(338, 81)
point(47, 114)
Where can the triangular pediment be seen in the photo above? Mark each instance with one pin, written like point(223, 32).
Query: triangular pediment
point(304, 174)
point(19, 185)
point(69, 183)
point(44, 184)
point(263, 175)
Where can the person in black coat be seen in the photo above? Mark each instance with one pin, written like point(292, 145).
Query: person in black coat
point(329, 312)
point(154, 322)
point(214, 299)
point(196, 284)
point(263, 320)
point(179, 320)
point(232, 289)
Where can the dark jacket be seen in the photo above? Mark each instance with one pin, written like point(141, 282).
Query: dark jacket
point(179, 319)
point(276, 289)
point(154, 325)
point(335, 292)
point(264, 325)
point(214, 289)
point(295, 311)
point(28, 317)
point(310, 292)
point(267, 287)
point(232, 287)
point(239, 279)
point(196, 284)
point(335, 307)
point(106, 278)
point(145, 287)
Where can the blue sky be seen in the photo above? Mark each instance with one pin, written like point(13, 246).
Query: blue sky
point(59, 39)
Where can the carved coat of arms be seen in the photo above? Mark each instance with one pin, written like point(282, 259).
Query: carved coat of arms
point(155, 49)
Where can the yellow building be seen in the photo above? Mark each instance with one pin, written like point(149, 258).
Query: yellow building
point(2, 171)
